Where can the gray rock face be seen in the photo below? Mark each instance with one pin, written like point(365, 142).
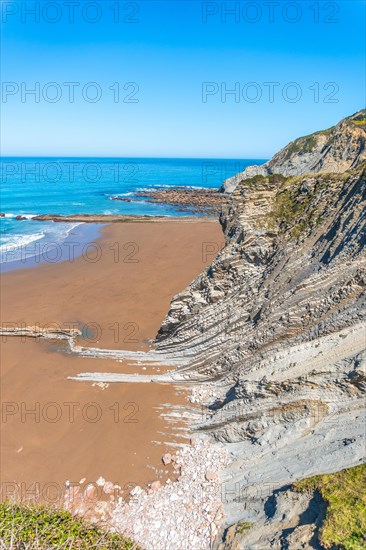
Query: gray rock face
point(334, 150)
point(277, 325)
point(292, 269)
point(292, 522)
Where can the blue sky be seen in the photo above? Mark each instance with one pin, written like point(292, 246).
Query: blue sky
point(176, 60)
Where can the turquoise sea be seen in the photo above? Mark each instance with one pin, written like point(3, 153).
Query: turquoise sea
point(31, 186)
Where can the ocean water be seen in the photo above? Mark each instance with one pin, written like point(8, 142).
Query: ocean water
point(32, 186)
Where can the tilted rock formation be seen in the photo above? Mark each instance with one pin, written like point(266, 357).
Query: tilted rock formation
point(334, 150)
point(206, 202)
point(276, 326)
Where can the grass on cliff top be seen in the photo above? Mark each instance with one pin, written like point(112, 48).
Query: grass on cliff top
point(360, 120)
point(38, 527)
point(344, 493)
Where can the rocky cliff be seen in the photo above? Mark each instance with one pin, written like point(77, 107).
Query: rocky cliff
point(334, 150)
point(275, 329)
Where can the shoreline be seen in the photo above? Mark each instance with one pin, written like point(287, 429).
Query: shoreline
point(69, 249)
point(83, 236)
point(121, 218)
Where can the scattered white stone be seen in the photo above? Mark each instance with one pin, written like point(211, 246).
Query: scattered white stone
point(102, 385)
point(187, 513)
point(136, 491)
point(155, 485)
point(90, 492)
point(204, 394)
point(167, 458)
point(184, 514)
point(108, 488)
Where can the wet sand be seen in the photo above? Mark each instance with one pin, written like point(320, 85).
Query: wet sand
point(123, 435)
point(119, 292)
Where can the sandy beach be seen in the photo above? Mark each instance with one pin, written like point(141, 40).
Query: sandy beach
point(119, 302)
point(120, 290)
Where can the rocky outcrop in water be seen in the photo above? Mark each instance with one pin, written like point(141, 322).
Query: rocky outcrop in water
point(205, 202)
point(334, 150)
point(275, 328)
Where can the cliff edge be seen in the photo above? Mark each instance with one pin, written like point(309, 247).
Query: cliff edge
point(336, 149)
point(275, 329)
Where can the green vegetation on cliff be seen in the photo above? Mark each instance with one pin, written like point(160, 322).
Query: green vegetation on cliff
point(297, 204)
point(28, 526)
point(295, 209)
point(344, 493)
point(302, 145)
point(360, 120)
point(300, 204)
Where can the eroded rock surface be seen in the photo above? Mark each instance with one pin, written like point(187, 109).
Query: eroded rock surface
point(205, 202)
point(334, 150)
point(275, 329)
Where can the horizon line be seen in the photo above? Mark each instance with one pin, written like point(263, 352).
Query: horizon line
point(128, 157)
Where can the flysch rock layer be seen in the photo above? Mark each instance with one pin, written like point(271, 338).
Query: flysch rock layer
point(334, 150)
point(275, 329)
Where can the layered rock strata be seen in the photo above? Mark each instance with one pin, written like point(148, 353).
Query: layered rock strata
point(275, 328)
point(336, 149)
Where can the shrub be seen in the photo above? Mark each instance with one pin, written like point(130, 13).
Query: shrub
point(39, 527)
point(344, 493)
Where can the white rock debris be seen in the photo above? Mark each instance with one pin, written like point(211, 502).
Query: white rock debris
point(204, 394)
point(100, 481)
point(184, 515)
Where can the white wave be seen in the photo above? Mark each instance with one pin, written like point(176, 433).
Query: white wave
point(18, 241)
point(60, 231)
point(172, 186)
point(129, 194)
point(15, 246)
point(27, 216)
